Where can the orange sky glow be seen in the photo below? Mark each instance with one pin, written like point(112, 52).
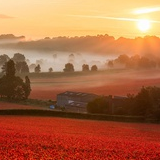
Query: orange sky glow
point(52, 18)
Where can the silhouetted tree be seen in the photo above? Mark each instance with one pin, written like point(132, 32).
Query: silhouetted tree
point(94, 68)
point(3, 68)
point(10, 68)
point(50, 69)
point(37, 69)
point(110, 64)
point(3, 59)
point(22, 67)
point(69, 67)
point(11, 86)
point(18, 57)
point(144, 63)
point(98, 105)
point(27, 87)
point(146, 101)
point(85, 67)
point(122, 59)
point(135, 60)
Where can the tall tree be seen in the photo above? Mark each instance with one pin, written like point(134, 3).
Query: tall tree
point(27, 87)
point(10, 68)
point(13, 87)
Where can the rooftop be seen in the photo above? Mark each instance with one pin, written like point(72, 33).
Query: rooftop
point(70, 93)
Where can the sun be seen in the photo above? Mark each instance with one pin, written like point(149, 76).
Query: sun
point(143, 25)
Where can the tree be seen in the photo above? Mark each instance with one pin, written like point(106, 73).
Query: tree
point(3, 59)
point(27, 87)
point(146, 101)
point(3, 68)
point(98, 105)
point(22, 67)
point(10, 68)
point(18, 57)
point(122, 59)
point(50, 69)
point(11, 86)
point(110, 64)
point(134, 60)
point(85, 67)
point(94, 68)
point(37, 69)
point(20, 63)
point(69, 67)
point(146, 63)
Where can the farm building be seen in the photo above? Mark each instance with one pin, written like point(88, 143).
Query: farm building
point(75, 101)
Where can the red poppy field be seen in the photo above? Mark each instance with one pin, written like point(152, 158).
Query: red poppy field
point(30, 138)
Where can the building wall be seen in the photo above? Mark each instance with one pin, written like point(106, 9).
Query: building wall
point(70, 101)
point(76, 109)
point(62, 100)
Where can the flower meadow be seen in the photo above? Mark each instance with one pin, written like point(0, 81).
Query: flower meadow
point(47, 138)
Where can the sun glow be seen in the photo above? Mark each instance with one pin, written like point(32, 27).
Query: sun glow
point(146, 10)
point(143, 25)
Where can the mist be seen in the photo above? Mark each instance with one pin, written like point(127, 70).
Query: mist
point(92, 50)
point(57, 60)
point(104, 45)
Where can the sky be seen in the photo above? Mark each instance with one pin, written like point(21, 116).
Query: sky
point(51, 18)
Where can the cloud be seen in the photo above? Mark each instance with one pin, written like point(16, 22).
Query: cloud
point(146, 10)
point(105, 17)
point(2, 16)
point(112, 18)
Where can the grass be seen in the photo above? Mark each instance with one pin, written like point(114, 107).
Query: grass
point(69, 74)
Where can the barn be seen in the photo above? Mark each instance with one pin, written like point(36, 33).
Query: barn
point(75, 101)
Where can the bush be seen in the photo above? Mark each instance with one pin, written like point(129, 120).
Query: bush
point(98, 105)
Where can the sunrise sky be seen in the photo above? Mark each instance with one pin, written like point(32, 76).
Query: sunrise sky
point(51, 18)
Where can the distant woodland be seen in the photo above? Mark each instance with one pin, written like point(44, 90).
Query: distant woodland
point(100, 44)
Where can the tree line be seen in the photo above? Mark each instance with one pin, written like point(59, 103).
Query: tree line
point(21, 64)
point(145, 103)
point(134, 62)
